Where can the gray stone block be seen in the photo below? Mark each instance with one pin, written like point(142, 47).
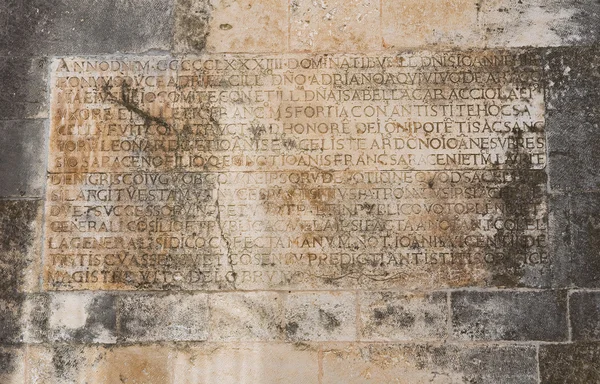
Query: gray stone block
point(584, 311)
point(584, 257)
point(559, 242)
point(403, 316)
point(158, 317)
point(506, 315)
point(389, 363)
point(22, 158)
point(573, 117)
point(63, 27)
point(23, 92)
point(570, 363)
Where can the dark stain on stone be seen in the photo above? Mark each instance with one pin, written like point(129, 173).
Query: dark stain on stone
point(329, 321)
point(291, 328)
point(192, 20)
point(67, 360)
point(101, 316)
point(225, 27)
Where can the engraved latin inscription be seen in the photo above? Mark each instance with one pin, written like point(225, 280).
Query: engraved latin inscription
point(414, 170)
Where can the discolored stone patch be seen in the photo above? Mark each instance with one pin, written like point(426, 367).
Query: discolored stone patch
point(506, 315)
point(584, 313)
point(320, 316)
point(381, 363)
point(393, 316)
point(170, 317)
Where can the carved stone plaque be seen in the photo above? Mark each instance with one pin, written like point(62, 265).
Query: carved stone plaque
point(413, 170)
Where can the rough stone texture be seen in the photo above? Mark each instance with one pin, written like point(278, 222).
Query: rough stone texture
point(35, 318)
point(82, 317)
point(251, 316)
point(583, 260)
point(559, 237)
point(320, 316)
point(584, 313)
point(570, 363)
point(446, 364)
point(334, 25)
point(393, 316)
point(414, 23)
point(12, 364)
point(20, 234)
point(509, 23)
point(246, 363)
point(572, 115)
point(56, 364)
point(22, 84)
point(62, 27)
point(171, 317)
point(505, 315)
point(23, 158)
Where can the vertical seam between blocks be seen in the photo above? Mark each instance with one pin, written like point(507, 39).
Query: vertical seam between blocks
point(537, 361)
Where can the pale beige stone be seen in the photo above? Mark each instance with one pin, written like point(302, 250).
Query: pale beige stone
point(148, 364)
point(402, 316)
point(246, 316)
point(248, 26)
point(418, 23)
point(246, 363)
point(321, 316)
point(335, 25)
point(57, 364)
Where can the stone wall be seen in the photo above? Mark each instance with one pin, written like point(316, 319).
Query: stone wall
point(537, 327)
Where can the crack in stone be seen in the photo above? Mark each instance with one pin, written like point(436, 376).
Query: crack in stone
point(222, 235)
point(124, 102)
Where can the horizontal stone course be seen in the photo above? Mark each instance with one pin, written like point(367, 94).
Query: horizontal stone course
point(63, 27)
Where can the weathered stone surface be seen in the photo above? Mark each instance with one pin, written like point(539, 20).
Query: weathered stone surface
point(22, 85)
point(297, 171)
point(20, 251)
point(56, 364)
point(570, 363)
point(247, 316)
point(35, 318)
point(539, 23)
point(82, 317)
point(393, 316)
point(584, 313)
point(559, 239)
point(171, 317)
point(12, 364)
point(320, 316)
point(23, 158)
point(417, 23)
point(505, 315)
point(63, 27)
point(583, 262)
point(407, 364)
point(573, 112)
point(244, 362)
point(335, 26)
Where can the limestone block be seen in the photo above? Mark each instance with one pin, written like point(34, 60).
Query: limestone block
point(335, 25)
point(402, 316)
point(584, 313)
point(246, 316)
point(417, 23)
point(23, 82)
point(246, 363)
point(570, 363)
point(82, 317)
point(170, 317)
point(448, 364)
point(320, 316)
